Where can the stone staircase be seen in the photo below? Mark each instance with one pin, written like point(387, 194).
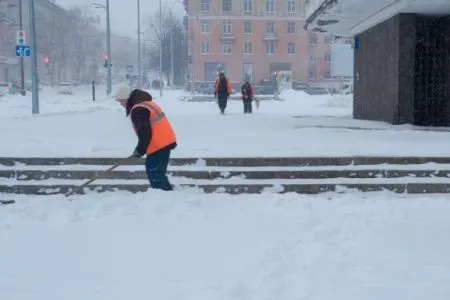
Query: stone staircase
point(306, 175)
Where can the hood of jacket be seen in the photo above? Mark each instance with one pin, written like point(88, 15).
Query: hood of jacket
point(137, 96)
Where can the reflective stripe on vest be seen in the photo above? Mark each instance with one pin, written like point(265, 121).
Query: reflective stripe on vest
point(157, 114)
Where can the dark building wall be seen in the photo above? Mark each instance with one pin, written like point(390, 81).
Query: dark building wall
point(384, 75)
point(402, 71)
point(432, 71)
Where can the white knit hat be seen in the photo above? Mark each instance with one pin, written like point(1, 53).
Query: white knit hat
point(123, 92)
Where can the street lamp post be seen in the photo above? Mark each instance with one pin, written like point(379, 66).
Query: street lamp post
point(108, 49)
point(34, 66)
point(22, 68)
point(160, 50)
point(139, 42)
point(171, 42)
point(171, 47)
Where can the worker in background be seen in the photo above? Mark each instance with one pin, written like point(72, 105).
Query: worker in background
point(222, 91)
point(247, 96)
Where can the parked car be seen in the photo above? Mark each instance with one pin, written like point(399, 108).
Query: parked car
point(65, 88)
point(316, 90)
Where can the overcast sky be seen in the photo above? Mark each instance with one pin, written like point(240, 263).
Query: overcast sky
point(124, 12)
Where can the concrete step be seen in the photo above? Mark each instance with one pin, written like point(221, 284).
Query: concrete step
point(413, 188)
point(231, 161)
point(26, 175)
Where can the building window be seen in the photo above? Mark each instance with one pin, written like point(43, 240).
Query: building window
point(248, 6)
point(312, 39)
point(248, 72)
point(291, 28)
point(328, 40)
point(270, 6)
point(248, 27)
point(226, 5)
point(270, 48)
point(204, 5)
point(312, 59)
point(204, 27)
point(312, 73)
point(205, 47)
point(227, 27)
point(327, 75)
point(291, 6)
point(291, 48)
point(248, 48)
point(226, 48)
point(327, 57)
point(270, 28)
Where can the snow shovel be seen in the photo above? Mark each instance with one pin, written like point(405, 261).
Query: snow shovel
point(79, 188)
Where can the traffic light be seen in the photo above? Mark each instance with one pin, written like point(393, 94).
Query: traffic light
point(106, 60)
point(47, 61)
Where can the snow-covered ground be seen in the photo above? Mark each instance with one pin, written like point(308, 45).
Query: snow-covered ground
point(76, 126)
point(190, 246)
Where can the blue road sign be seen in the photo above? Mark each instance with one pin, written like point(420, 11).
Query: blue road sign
point(23, 50)
point(357, 45)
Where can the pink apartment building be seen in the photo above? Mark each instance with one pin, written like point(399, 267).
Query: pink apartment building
point(252, 39)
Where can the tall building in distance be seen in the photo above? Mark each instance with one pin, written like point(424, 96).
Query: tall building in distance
point(252, 39)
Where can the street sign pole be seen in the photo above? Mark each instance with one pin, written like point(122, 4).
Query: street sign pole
point(34, 67)
point(139, 43)
point(22, 71)
point(108, 49)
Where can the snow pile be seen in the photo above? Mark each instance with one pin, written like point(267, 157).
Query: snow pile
point(318, 101)
point(192, 246)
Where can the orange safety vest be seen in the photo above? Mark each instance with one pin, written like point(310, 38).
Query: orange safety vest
point(162, 132)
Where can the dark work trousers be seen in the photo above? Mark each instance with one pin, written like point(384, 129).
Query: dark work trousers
point(156, 167)
point(247, 105)
point(222, 101)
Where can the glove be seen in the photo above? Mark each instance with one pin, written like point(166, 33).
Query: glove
point(136, 154)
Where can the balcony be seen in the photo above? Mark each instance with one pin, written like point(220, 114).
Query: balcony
point(271, 37)
point(227, 36)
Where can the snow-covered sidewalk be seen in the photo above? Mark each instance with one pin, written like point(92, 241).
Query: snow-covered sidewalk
point(300, 126)
point(190, 246)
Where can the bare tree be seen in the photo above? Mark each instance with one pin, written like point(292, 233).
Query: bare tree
point(70, 38)
point(87, 44)
point(171, 25)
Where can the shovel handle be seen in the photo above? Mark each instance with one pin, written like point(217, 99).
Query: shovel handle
point(97, 176)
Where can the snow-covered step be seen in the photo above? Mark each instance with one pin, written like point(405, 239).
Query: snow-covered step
point(140, 167)
point(25, 175)
point(229, 161)
point(412, 188)
point(232, 175)
point(232, 180)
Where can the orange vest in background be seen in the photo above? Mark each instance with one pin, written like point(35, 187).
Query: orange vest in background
point(163, 134)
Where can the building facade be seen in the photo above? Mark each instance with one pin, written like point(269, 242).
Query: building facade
point(252, 39)
point(9, 21)
point(54, 48)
